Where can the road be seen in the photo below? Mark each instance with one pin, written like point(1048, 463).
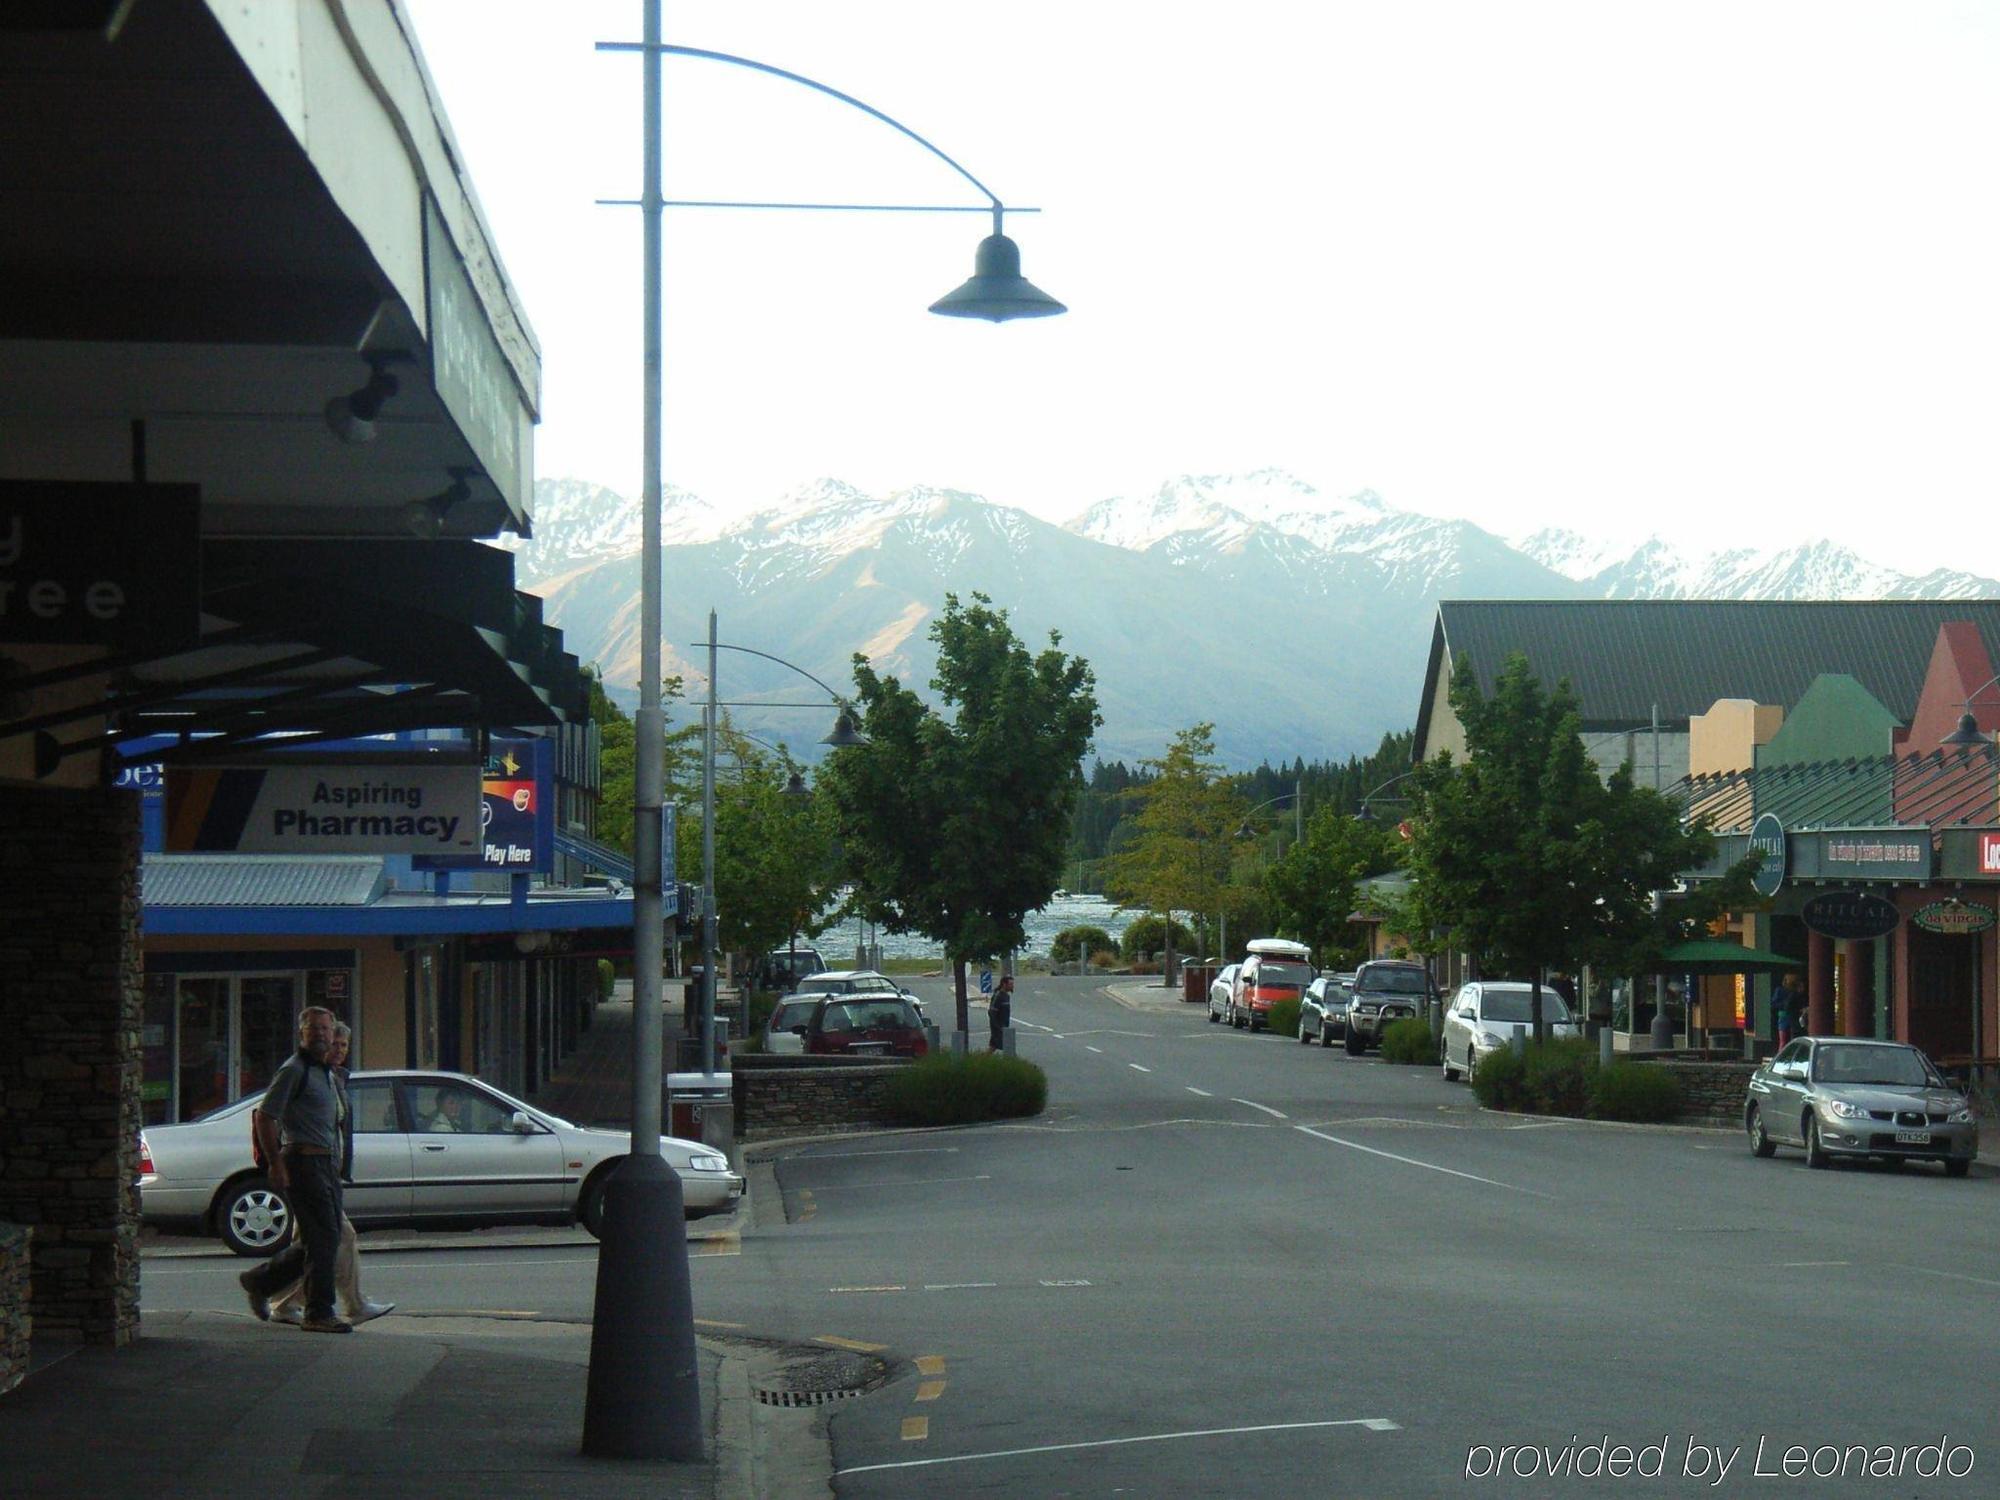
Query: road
point(1232, 1265)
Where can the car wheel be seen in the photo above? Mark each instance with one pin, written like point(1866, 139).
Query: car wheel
point(1304, 1040)
point(253, 1217)
point(1444, 1060)
point(1212, 1017)
point(1957, 1166)
point(1236, 1018)
point(590, 1203)
point(1355, 1046)
point(1761, 1143)
point(1816, 1156)
point(1325, 1036)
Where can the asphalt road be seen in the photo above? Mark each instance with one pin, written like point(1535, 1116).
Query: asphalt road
point(1231, 1265)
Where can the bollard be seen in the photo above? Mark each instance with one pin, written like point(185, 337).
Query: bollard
point(1604, 1047)
point(1007, 1040)
point(1520, 1040)
point(958, 1043)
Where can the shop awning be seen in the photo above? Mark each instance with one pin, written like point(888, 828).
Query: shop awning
point(1712, 955)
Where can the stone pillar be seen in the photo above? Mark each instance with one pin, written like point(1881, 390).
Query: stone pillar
point(70, 997)
point(1819, 984)
point(1854, 1020)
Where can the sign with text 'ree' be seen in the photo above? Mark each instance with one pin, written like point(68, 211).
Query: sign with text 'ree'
point(370, 806)
point(115, 565)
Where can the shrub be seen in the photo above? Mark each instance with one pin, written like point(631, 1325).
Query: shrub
point(1149, 935)
point(1501, 1081)
point(1073, 940)
point(1556, 1075)
point(607, 977)
point(1104, 958)
point(948, 1088)
point(1635, 1091)
point(762, 1003)
point(1409, 1041)
point(1283, 1017)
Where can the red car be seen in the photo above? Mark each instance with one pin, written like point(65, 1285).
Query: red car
point(866, 1025)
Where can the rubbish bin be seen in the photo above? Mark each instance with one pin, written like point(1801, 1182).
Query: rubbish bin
point(700, 1107)
point(1195, 980)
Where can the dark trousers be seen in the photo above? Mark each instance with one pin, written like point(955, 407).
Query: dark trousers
point(998, 1021)
point(316, 1208)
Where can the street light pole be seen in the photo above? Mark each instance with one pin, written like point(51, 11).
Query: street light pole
point(708, 868)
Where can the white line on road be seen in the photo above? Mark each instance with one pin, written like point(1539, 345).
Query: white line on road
point(1253, 1104)
point(1098, 1050)
point(842, 1187)
point(1953, 1276)
point(906, 1151)
point(1798, 1265)
point(962, 1286)
point(1411, 1161)
point(1203, 1092)
point(1139, 1067)
point(1373, 1424)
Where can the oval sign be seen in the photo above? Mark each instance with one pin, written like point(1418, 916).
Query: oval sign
point(1953, 918)
point(1853, 915)
point(1767, 837)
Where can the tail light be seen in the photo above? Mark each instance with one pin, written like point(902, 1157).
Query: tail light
point(146, 1167)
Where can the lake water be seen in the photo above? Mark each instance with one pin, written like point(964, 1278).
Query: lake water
point(837, 943)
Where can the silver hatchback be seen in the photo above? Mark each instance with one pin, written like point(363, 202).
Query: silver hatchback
point(1843, 1097)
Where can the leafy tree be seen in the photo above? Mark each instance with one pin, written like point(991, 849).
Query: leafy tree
point(957, 827)
point(1073, 943)
point(1524, 858)
point(1180, 855)
point(1312, 888)
point(1151, 934)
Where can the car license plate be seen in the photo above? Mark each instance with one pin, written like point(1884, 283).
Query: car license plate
point(1913, 1137)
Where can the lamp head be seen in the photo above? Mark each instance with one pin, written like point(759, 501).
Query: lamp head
point(846, 731)
point(425, 518)
point(1967, 733)
point(351, 418)
point(997, 291)
point(796, 788)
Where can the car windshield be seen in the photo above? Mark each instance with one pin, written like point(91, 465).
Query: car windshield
point(1518, 1005)
point(1394, 981)
point(866, 1015)
point(1886, 1065)
point(1294, 976)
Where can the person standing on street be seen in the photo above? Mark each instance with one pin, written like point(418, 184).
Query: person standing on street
point(1000, 1011)
point(299, 1128)
point(1788, 1008)
point(289, 1307)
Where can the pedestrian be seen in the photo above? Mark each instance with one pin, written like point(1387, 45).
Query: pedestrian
point(289, 1306)
point(1788, 1008)
point(1000, 1011)
point(299, 1126)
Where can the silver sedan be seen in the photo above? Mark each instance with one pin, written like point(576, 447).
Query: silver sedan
point(431, 1151)
point(1843, 1097)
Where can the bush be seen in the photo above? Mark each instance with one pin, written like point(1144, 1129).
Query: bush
point(1149, 935)
point(1074, 940)
point(1283, 1017)
point(1635, 1091)
point(947, 1088)
point(1557, 1075)
point(1106, 958)
point(607, 976)
point(1501, 1082)
point(1409, 1041)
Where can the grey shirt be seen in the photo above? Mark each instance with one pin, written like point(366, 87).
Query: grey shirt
point(306, 1102)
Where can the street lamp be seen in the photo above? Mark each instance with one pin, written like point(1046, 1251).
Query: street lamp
point(644, 1394)
point(1968, 731)
point(1298, 796)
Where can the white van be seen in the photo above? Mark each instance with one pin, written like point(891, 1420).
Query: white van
point(1277, 969)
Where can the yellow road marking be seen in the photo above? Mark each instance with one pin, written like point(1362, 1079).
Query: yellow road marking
point(916, 1429)
point(930, 1364)
point(930, 1390)
point(840, 1343)
point(717, 1244)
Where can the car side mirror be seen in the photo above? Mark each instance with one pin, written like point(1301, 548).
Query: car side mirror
point(521, 1124)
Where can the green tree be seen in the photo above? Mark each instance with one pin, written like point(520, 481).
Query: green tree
point(1312, 888)
point(956, 827)
point(1183, 845)
point(1524, 858)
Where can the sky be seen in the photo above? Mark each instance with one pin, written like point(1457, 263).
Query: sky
point(1727, 271)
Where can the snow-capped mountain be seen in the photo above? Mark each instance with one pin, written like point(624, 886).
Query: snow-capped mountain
point(1295, 622)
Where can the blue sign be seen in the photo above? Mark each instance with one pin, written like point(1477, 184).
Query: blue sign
point(517, 812)
point(985, 981)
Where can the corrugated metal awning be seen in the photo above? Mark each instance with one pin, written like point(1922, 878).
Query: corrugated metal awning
point(261, 880)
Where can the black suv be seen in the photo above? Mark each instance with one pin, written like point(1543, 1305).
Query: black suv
point(1385, 990)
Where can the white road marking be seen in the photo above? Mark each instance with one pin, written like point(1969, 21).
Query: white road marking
point(1139, 1067)
point(1253, 1104)
point(843, 1187)
point(962, 1286)
point(1796, 1265)
point(1098, 1050)
point(1411, 1161)
point(1065, 1283)
point(1952, 1276)
point(867, 1289)
point(907, 1151)
point(1203, 1092)
point(1373, 1424)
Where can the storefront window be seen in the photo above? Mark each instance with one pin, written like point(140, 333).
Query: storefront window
point(156, 1042)
point(268, 1017)
point(203, 1044)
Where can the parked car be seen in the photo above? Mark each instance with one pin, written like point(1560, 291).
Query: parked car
point(1277, 969)
point(1221, 991)
point(783, 968)
point(866, 1023)
point(1482, 1016)
point(1842, 1097)
point(784, 1029)
point(856, 982)
point(1323, 1011)
point(431, 1151)
point(1385, 990)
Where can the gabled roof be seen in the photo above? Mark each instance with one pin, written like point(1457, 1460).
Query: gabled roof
point(1622, 656)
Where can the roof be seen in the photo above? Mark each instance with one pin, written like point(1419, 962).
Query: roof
point(260, 880)
point(1622, 656)
point(1934, 790)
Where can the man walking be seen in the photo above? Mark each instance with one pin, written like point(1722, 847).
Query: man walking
point(299, 1126)
point(1000, 1011)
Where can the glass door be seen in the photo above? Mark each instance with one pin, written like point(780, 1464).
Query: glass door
point(201, 1024)
point(267, 1011)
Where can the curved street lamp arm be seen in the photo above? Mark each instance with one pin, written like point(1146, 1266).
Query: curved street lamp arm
point(839, 701)
point(827, 89)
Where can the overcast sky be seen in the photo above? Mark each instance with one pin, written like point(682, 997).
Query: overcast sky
point(1728, 270)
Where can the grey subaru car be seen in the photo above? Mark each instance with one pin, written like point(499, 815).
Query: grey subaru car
point(1844, 1097)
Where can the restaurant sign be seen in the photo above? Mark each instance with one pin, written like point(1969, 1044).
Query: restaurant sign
point(1953, 917)
point(1767, 837)
point(1854, 916)
point(1864, 854)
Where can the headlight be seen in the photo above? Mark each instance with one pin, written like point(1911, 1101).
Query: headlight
point(1845, 1110)
point(708, 1163)
point(1962, 1116)
point(1494, 1039)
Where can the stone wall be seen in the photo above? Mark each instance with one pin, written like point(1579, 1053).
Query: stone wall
point(15, 1319)
point(1712, 1093)
point(70, 1011)
point(789, 1095)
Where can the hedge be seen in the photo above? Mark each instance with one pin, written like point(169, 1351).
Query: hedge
point(1563, 1077)
point(1409, 1041)
point(949, 1088)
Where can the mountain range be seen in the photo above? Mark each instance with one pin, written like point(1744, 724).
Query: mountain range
point(1297, 623)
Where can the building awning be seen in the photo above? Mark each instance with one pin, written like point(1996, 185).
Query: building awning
point(401, 914)
point(1941, 788)
point(1711, 955)
point(259, 880)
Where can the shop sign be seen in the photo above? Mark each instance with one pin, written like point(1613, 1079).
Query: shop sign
point(1954, 918)
point(516, 813)
point(113, 565)
point(1874, 853)
point(1852, 915)
point(1767, 837)
point(1989, 853)
point(366, 805)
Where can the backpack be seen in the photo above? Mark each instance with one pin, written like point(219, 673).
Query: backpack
point(257, 1142)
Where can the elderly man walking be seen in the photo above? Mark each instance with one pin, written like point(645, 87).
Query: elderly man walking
point(299, 1127)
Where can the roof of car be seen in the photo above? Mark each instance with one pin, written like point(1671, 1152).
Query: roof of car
point(1276, 948)
point(843, 974)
